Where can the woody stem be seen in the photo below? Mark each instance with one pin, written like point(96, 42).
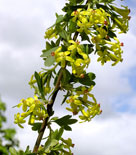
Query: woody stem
point(50, 107)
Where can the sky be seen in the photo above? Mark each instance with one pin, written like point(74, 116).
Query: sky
point(22, 27)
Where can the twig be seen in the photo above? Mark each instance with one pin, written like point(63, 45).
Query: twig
point(49, 107)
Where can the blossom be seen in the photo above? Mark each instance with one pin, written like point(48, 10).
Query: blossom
point(80, 102)
point(84, 25)
point(76, 14)
point(76, 47)
point(19, 120)
point(99, 16)
point(79, 63)
point(50, 33)
point(91, 112)
point(31, 107)
point(103, 56)
point(116, 49)
point(75, 104)
point(62, 57)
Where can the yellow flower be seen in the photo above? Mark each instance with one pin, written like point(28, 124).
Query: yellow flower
point(32, 81)
point(84, 25)
point(19, 120)
point(102, 32)
point(74, 99)
point(76, 47)
point(32, 107)
point(62, 57)
point(79, 64)
point(50, 33)
point(103, 56)
point(75, 104)
point(123, 12)
point(86, 115)
point(88, 12)
point(99, 16)
point(116, 49)
point(91, 112)
point(76, 14)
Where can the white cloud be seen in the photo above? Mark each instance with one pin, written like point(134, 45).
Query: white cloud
point(21, 36)
point(108, 137)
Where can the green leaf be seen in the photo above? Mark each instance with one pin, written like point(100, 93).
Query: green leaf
point(67, 141)
point(65, 122)
point(48, 45)
point(87, 48)
point(54, 118)
point(9, 134)
point(36, 126)
point(60, 132)
point(122, 11)
point(56, 78)
point(58, 41)
point(59, 18)
point(66, 77)
point(63, 34)
point(13, 151)
point(65, 97)
point(39, 83)
point(47, 53)
point(84, 36)
point(27, 150)
point(49, 144)
point(88, 79)
point(21, 153)
point(49, 61)
point(111, 34)
point(58, 147)
point(3, 150)
point(2, 106)
point(72, 26)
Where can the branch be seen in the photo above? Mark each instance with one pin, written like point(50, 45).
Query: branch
point(49, 106)
point(49, 110)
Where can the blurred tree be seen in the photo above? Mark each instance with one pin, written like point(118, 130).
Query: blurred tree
point(7, 135)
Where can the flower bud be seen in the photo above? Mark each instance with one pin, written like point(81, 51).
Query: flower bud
point(71, 100)
point(75, 112)
point(52, 53)
point(73, 145)
point(85, 91)
point(105, 22)
point(107, 37)
point(129, 17)
point(121, 44)
point(75, 12)
point(82, 76)
point(78, 42)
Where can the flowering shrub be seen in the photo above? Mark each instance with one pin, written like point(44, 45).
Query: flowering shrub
point(96, 23)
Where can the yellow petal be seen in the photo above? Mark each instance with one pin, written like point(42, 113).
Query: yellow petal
point(69, 59)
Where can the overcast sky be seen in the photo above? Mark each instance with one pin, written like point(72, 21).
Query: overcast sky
point(22, 27)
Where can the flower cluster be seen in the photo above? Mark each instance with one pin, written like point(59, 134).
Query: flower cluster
point(78, 59)
point(31, 107)
point(108, 50)
point(87, 19)
point(50, 33)
point(95, 23)
point(80, 102)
